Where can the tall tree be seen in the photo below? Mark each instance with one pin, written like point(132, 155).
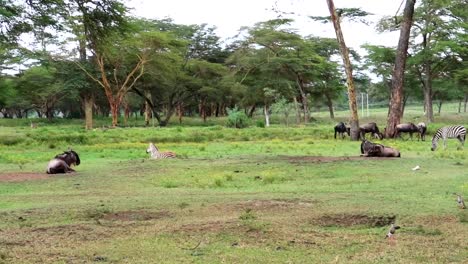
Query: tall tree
point(106, 30)
point(354, 119)
point(398, 76)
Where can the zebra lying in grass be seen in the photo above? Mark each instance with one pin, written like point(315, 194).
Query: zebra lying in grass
point(369, 149)
point(458, 132)
point(156, 154)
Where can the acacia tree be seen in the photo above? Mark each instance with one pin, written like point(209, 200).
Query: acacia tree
point(354, 120)
point(274, 57)
point(185, 72)
point(396, 113)
point(109, 40)
point(437, 34)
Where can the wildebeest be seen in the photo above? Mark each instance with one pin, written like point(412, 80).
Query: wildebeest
point(341, 129)
point(62, 162)
point(422, 130)
point(369, 149)
point(406, 128)
point(370, 128)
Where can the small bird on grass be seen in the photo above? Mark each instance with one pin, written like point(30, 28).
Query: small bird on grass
point(460, 201)
point(391, 231)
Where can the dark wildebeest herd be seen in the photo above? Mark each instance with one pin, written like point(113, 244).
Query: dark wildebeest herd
point(369, 149)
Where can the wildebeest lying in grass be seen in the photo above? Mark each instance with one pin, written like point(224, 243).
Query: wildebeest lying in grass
point(62, 162)
point(406, 128)
point(369, 149)
point(341, 129)
point(370, 128)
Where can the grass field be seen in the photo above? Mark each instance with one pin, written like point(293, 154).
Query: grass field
point(255, 195)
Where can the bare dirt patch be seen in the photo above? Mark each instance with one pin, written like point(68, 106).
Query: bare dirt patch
point(269, 205)
point(22, 176)
point(136, 215)
point(208, 227)
point(347, 220)
point(325, 159)
point(320, 159)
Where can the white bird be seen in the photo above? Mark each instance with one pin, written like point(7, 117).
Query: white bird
point(460, 201)
point(416, 168)
point(392, 231)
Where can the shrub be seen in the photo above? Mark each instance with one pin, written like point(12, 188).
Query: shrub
point(248, 214)
point(11, 140)
point(218, 182)
point(260, 123)
point(237, 118)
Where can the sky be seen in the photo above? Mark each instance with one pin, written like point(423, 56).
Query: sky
point(229, 15)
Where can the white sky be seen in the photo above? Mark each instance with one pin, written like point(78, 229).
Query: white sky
point(229, 15)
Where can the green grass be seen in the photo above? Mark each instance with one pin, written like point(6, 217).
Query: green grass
point(266, 195)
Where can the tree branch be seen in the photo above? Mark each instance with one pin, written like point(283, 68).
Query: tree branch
point(89, 74)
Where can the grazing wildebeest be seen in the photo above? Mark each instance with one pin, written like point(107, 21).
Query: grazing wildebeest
point(406, 128)
point(62, 162)
point(422, 130)
point(341, 129)
point(369, 149)
point(370, 128)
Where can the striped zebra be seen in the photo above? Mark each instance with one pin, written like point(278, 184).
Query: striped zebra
point(156, 154)
point(449, 132)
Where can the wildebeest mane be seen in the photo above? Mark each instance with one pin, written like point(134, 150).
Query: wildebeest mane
point(69, 156)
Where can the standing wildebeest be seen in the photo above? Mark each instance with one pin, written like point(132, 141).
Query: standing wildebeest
point(341, 129)
point(62, 162)
point(406, 128)
point(422, 130)
point(370, 128)
point(369, 149)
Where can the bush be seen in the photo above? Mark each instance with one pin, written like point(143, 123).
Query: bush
point(237, 118)
point(260, 123)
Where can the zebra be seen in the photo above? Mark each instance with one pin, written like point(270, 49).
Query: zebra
point(156, 154)
point(458, 132)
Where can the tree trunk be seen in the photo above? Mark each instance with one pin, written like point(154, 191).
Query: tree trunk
point(88, 103)
point(404, 105)
point(459, 106)
point(354, 119)
point(305, 108)
point(428, 93)
point(439, 107)
point(398, 75)
point(126, 112)
point(252, 110)
point(466, 101)
point(180, 112)
point(217, 110)
point(298, 111)
point(330, 106)
point(169, 113)
point(114, 107)
point(267, 115)
point(203, 109)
